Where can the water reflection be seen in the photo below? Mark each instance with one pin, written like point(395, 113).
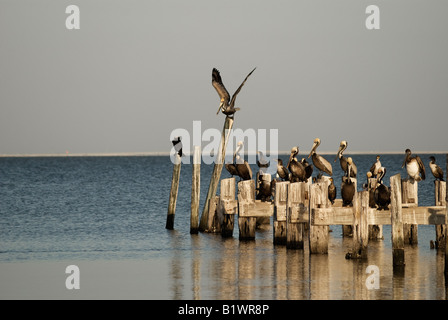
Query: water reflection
point(220, 268)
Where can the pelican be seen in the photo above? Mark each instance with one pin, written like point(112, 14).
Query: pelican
point(366, 186)
point(227, 108)
point(382, 192)
point(231, 169)
point(242, 166)
point(295, 167)
point(282, 171)
point(177, 144)
point(262, 163)
point(414, 166)
point(347, 187)
point(308, 168)
point(437, 172)
point(264, 189)
point(343, 160)
point(319, 162)
point(331, 191)
point(375, 167)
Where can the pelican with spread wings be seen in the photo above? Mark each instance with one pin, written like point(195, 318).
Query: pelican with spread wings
point(227, 105)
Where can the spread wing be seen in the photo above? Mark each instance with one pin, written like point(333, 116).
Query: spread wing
point(232, 102)
point(421, 166)
point(219, 86)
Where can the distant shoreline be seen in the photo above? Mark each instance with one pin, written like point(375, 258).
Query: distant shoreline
point(149, 154)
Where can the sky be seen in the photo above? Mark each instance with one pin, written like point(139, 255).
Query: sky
point(137, 70)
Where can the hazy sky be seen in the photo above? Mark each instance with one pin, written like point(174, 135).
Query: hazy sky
point(137, 70)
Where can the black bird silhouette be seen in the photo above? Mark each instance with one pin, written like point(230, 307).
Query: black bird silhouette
point(177, 145)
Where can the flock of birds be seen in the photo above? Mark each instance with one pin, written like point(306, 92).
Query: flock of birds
point(301, 171)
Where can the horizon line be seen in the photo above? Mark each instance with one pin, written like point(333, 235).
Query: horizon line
point(165, 153)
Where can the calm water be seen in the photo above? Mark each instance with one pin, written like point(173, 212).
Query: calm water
point(107, 216)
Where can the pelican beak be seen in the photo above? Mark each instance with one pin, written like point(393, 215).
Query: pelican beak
point(220, 106)
point(312, 149)
point(404, 162)
point(290, 157)
point(337, 155)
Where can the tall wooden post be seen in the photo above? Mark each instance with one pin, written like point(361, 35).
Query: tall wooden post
point(173, 193)
point(195, 190)
point(396, 222)
point(318, 235)
point(279, 219)
point(297, 208)
point(440, 200)
point(347, 230)
point(227, 207)
point(360, 225)
point(246, 199)
point(217, 169)
point(409, 193)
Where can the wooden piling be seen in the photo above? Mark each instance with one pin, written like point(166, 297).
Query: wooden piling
point(173, 193)
point(396, 222)
point(347, 230)
point(246, 198)
point(440, 200)
point(217, 169)
point(360, 225)
point(195, 190)
point(227, 206)
point(297, 214)
point(279, 219)
point(409, 195)
point(318, 235)
point(375, 231)
point(213, 224)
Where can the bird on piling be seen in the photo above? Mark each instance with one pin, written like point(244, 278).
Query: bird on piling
point(343, 160)
point(242, 166)
point(366, 186)
point(437, 172)
point(177, 144)
point(382, 192)
point(375, 167)
point(295, 167)
point(264, 189)
point(320, 162)
point(414, 166)
point(262, 163)
point(228, 108)
point(308, 168)
point(331, 191)
point(282, 172)
point(347, 187)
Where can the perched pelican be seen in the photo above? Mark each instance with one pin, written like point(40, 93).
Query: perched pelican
point(262, 163)
point(319, 162)
point(347, 187)
point(365, 186)
point(282, 171)
point(375, 167)
point(264, 189)
point(437, 172)
point(331, 191)
point(343, 160)
point(242, 166)
point(414, 166)
point(382, 192)
point(308, 168)
point(177, 144)
point(295, 167)
point(226, 107)
point(231, 169)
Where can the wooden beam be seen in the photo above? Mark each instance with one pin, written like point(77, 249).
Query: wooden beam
point(217, 169)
